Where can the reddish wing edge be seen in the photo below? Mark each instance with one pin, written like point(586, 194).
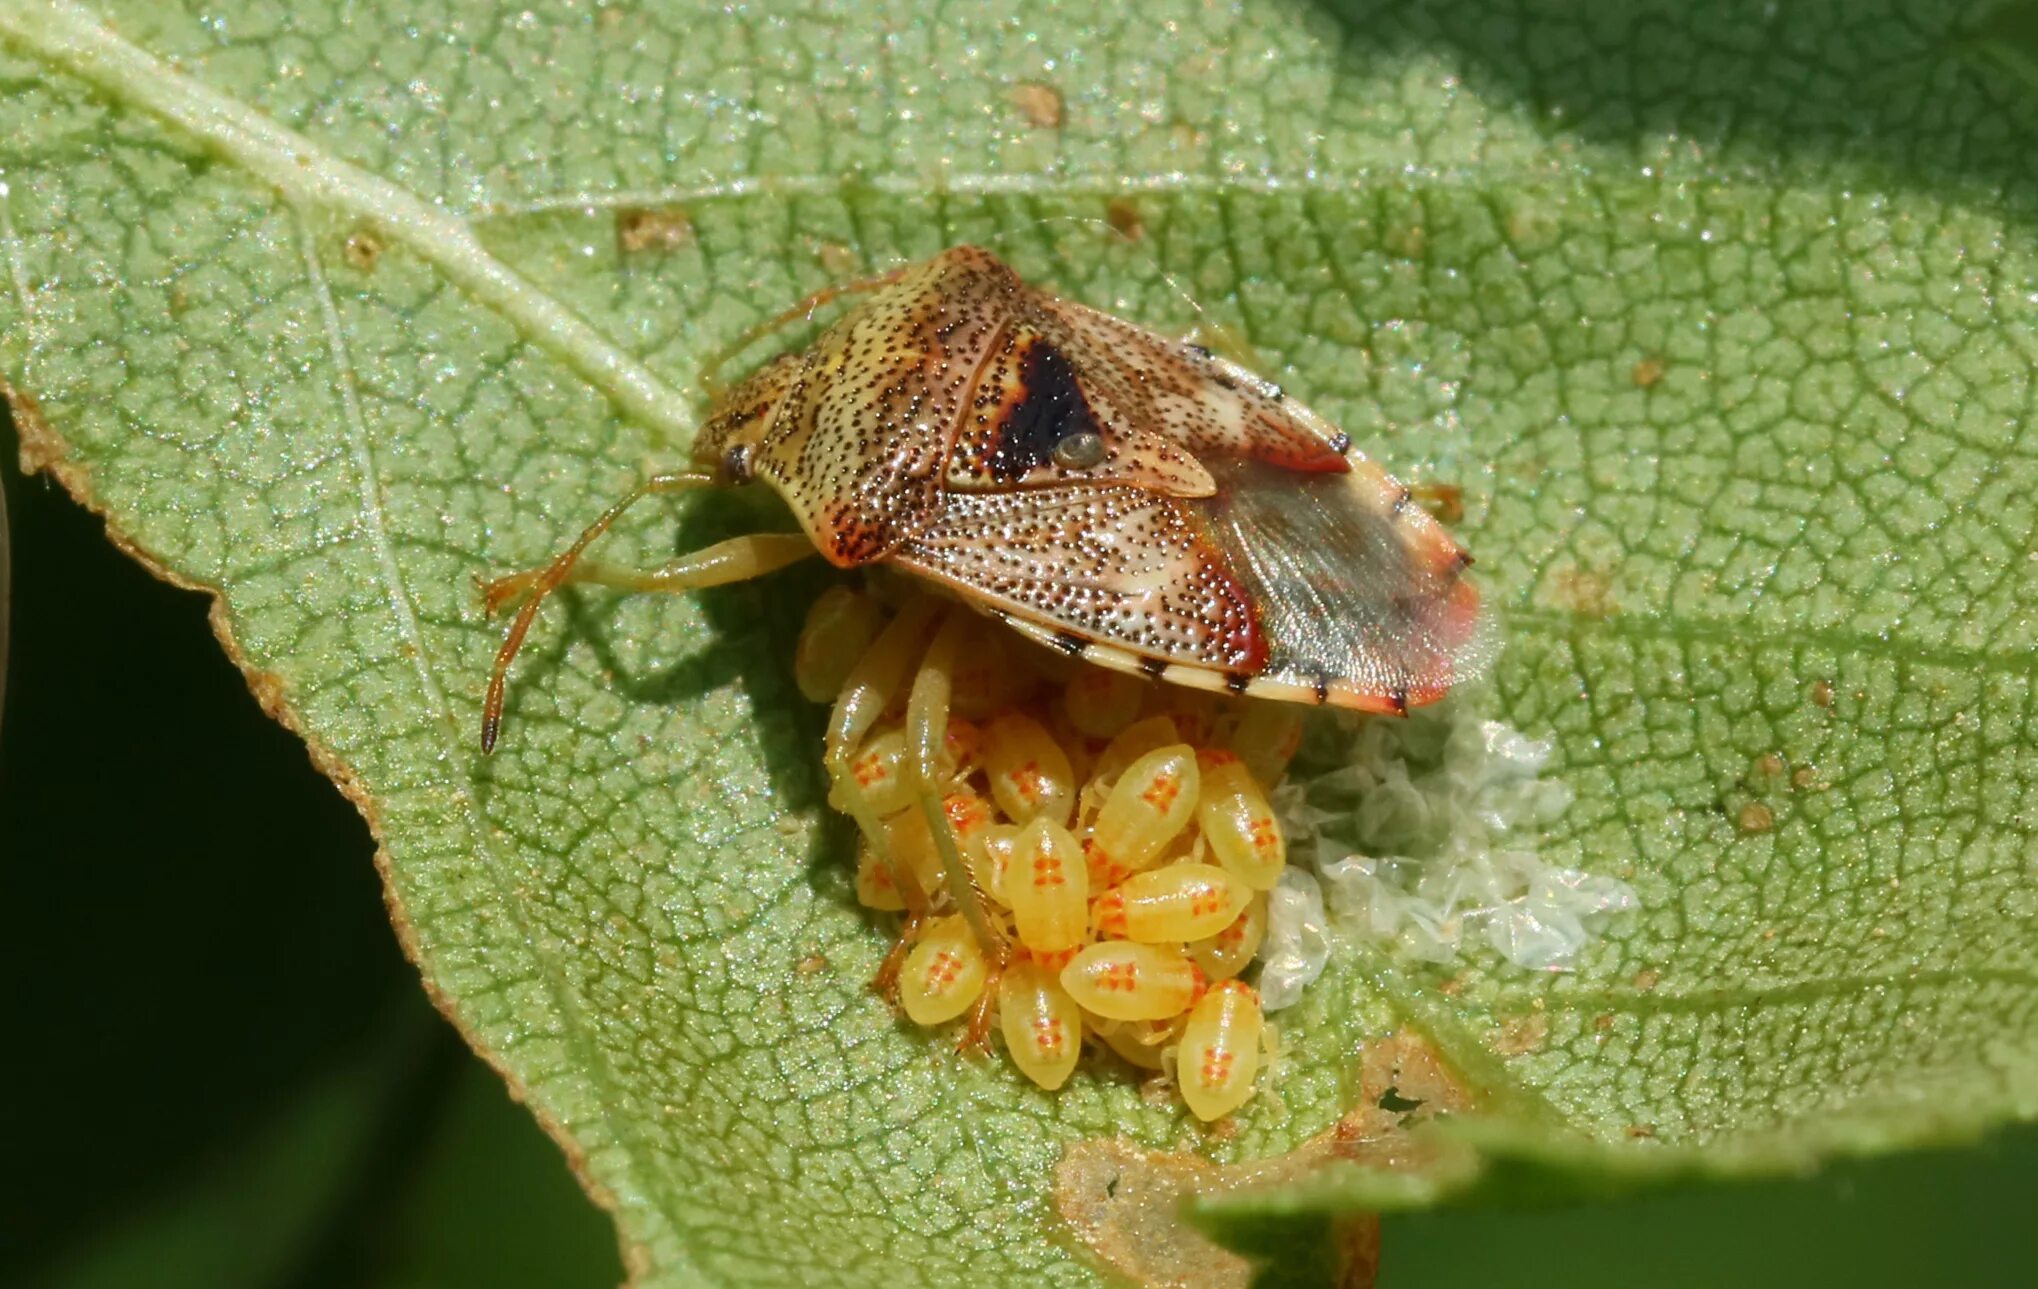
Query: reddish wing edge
point(1302, 587)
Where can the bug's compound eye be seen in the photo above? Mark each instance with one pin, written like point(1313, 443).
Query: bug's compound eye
point(736, 463)
point(1079, 451)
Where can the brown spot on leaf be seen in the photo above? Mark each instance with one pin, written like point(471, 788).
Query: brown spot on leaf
point(1806, 778)
point(1769, 765)
point(1444, 501)
point(1521, 1035)
point(1647, 373)
point(1123, 216)
point(838, 260)
point(1588, 593)
point(1755, 817)
point(1124, 1201)
point(41, 449)
point(1646, 979)
point(1822, 693)
point(1040, 104)
point(644, 229)
point(812, 964)
point(362, 250)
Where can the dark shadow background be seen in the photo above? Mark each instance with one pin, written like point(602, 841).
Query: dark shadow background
point(1927, 95)
point(219, 1069)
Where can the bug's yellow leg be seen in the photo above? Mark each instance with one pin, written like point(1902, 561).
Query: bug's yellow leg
point(885, 984)
point(976, 1036)
point(926, 734)
point(726, 562)
point(874, 680)
point(736, 560)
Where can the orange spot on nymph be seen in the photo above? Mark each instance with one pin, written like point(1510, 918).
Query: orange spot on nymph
point(942, 971)
point(1053, 961)
point(1111, 914)
point(1216, 1066)
point(965, 813)
point(1162, 793)
point(1047, 1034)
point(1027, 780)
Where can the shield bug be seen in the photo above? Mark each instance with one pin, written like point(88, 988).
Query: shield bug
point(1136, 501)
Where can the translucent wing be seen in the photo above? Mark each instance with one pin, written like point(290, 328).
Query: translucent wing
point(1360, 593)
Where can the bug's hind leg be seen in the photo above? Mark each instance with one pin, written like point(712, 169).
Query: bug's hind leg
point(725, 562)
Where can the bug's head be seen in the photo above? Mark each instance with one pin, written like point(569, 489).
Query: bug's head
point(737, 421)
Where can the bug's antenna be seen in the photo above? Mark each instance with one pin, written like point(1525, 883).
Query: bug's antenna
point(1230, 339)
point(709, 378)
point(546, 580)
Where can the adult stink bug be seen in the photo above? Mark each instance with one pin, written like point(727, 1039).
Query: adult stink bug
point(1137, 501)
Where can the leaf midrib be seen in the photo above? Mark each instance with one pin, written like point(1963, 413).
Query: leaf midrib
point(70, 37)
point(1676, 630)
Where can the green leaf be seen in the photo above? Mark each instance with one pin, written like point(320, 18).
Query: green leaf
point(1725, 321)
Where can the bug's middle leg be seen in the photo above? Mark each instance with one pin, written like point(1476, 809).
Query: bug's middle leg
point(926, 734)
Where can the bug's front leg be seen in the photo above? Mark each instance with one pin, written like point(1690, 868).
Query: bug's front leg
point(735, 560)
point(728, 561)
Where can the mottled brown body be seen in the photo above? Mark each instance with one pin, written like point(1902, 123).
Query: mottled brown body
point(1131, 499)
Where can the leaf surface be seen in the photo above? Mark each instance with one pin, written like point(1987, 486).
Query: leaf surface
point(1725, 323)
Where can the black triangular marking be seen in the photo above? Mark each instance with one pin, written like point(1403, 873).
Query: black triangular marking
point(1049, 409)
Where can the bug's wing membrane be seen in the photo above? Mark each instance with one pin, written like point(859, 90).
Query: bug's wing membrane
point(1090, 565)
point(1360, 592)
